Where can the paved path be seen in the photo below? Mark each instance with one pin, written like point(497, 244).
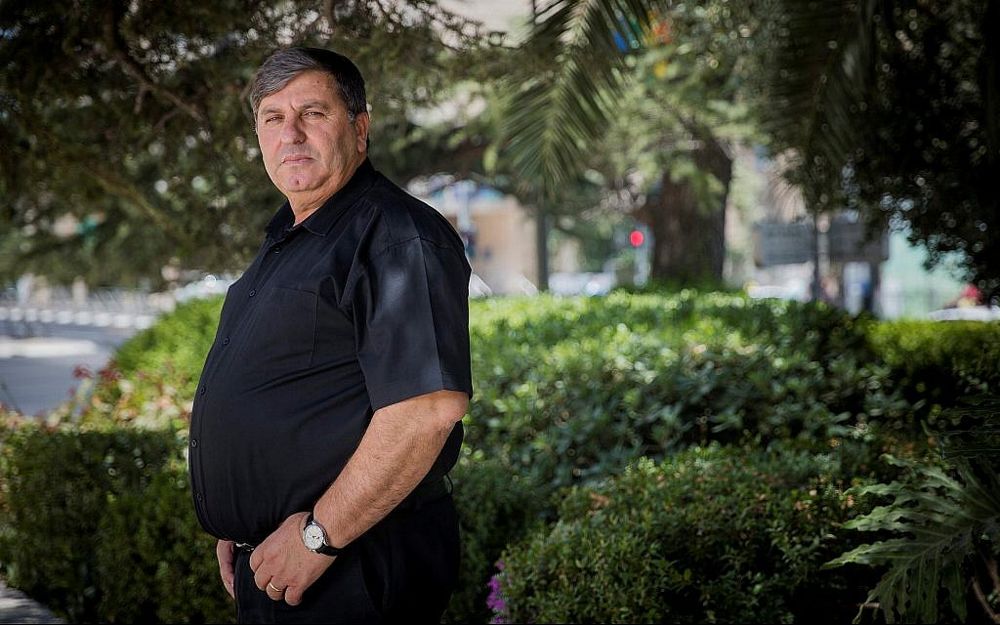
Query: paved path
point(16, 607)
point(36, 373)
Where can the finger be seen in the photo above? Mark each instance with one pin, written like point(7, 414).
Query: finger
point(224, 553)
point(260, 578)
point(275, 592)
point(293, 595)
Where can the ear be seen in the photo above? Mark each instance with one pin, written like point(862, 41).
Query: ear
point(361, 125)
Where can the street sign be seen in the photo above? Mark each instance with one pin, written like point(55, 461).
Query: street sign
point(849, 243)
point(783, 244)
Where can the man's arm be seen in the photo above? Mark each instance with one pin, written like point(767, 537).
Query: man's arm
point(398, 449)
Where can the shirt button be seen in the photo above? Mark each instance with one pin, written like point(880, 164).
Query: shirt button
point(200, 498)
point(194, 442)
point(225, 341)
point(203, 390)
point(277, 249)
point(253, 292)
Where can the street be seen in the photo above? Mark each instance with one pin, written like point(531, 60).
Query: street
point(36, 372)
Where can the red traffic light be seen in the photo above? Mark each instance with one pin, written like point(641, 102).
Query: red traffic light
point(636, 238)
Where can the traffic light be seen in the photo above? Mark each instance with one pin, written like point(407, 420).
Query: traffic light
point(636, 238)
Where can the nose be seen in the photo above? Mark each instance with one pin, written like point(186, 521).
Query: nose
point(291, 131)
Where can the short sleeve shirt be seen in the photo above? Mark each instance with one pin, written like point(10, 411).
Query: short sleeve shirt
point(362, 305)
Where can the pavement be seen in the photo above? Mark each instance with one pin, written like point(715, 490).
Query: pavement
point(16, 607)
point(36, 372)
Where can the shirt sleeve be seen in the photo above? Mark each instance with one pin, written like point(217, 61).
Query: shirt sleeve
point(411, 315)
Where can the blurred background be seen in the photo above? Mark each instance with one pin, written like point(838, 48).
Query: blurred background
point(809, 151)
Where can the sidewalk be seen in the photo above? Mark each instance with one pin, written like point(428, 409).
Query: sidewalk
point(15, 607)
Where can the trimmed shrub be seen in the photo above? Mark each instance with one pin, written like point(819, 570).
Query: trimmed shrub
point(711, 535)
point(56, 486)
point(569, 392)
point(576, 389)
point(936, 362)
point(172, 574)
point(151, 379)
point(495, 507)
point(182, 337)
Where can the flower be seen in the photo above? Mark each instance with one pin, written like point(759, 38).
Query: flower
point(495, 600)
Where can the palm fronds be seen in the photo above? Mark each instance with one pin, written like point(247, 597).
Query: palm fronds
point(560, 110)
point(815, 79)
point(943, 527)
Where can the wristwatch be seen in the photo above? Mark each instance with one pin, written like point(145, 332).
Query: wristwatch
point(314, 538)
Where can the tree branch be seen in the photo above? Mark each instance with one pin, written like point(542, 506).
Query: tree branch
point(991, 568)
point(127, 192)
point(983, 601)
point(117, 49)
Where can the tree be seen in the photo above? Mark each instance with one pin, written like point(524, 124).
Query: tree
point(654, 83)
point(891, 109)
point(131, 117)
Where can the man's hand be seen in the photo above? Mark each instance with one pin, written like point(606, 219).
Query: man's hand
point(283, 567)
point(224, 552)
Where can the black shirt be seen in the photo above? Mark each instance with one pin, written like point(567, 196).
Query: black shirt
point(362, 305)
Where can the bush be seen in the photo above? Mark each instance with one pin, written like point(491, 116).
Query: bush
point(56, 485)
point(711, 535)
point(569, 392)
point(172, 574)
point(937, 362)
point(182, 338)
point(151, 379)
point(495, 507)
point(573, 389)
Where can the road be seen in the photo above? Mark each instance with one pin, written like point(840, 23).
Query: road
point(36, 372)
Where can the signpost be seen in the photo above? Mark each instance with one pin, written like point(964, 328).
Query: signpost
point(783, 244)
point(849, 243)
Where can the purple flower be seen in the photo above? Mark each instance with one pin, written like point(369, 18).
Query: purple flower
point(495, 600)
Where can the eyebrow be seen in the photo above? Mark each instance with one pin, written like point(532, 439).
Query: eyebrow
point(305, 105)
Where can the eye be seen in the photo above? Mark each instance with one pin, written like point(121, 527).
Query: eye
point(313, 114)
point(272, 120)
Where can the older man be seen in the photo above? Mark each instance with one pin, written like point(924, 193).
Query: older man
point(329, 410)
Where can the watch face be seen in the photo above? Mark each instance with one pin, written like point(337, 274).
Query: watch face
point(312, 536)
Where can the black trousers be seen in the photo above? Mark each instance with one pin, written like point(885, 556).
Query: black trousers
point(402, 570)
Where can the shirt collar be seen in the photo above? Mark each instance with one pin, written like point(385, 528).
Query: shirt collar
point(320, 222)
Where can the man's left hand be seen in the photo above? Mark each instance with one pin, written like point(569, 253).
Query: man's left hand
point(282, 565)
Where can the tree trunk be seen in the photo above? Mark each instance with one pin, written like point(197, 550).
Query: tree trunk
point(689, 238)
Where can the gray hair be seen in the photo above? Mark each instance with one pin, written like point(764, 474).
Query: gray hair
point(284, 65)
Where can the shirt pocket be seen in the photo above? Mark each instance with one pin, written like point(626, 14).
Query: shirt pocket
point(284, 331)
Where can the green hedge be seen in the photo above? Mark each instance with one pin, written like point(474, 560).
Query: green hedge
point(570, 389)
point(495, 508)
point(713, 535)
point(936, 362)
point(181, 339)
point(56, 487)
point(173, 576)
point(569, 392)
point(99, 527)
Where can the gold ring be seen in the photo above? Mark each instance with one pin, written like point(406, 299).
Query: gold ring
point(275, 588)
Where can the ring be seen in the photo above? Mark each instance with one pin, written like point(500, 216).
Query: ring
point(275, 588)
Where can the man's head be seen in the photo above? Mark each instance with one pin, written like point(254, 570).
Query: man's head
point(284, 65)
point(312, 123)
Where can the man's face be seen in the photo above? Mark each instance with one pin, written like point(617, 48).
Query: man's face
point(310, 146)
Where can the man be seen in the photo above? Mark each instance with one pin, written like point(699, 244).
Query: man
point(329, 409)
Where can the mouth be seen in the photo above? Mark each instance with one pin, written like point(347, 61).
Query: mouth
point(295, 159)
